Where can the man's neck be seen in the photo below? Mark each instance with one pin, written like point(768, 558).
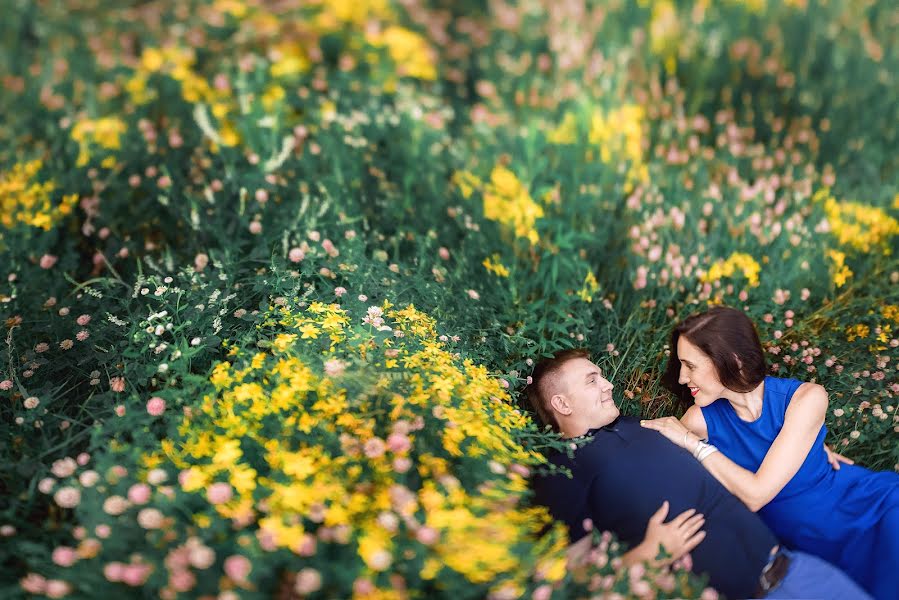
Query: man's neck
point(571, 432)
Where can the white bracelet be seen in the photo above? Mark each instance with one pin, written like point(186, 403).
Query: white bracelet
point(702, 450)
point(707, 451)
point(687, 433)
point(698, 448)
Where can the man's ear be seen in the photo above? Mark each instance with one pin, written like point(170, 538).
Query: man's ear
point(560, 404)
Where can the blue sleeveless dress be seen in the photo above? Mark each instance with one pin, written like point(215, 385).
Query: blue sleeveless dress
point(849, 517)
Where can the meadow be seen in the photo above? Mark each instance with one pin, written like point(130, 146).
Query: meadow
point(275, 273)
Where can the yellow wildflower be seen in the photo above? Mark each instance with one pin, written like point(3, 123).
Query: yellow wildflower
point(858, 226)
point(854, 332)
point(152, 59)
point(891, 312)
point(272, 96)
point(566, 132)
point(467, 183)
point(289, 59)
point(839, 271)
point(508, 201)
point(284, 341)
point(374, 549)
point(619, 134)
point(736, 262)
point(493, 265)
point(665, 33)
point(104, 132)
point(409, 51)
point(28, 202)
point(591, 286)
point(309, 331)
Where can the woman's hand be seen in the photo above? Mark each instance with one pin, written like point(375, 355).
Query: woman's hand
point(835, 458)
point(674, 430)
point(677, 537)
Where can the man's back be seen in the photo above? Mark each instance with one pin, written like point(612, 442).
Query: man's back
point(622, 477)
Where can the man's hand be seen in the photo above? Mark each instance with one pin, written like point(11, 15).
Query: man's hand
point(677, 537)
point(835, 458)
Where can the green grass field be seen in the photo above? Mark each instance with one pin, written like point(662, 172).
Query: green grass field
point(274, 274)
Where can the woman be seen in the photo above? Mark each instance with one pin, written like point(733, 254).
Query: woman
point(766, 445)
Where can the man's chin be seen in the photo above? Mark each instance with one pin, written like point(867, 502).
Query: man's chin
point(608, 417)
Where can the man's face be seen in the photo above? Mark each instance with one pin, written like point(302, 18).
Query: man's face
point(587, 393)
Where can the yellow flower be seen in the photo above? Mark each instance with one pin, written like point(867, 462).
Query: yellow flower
point(665, 33)
point(334, 321)
point(736, 262)
point(566, 132)
point(374, 549)
point(619, 135)
point(228, 452)
point(229, 134)
point(858, 226)
point(272, 96)
point(891, 312)
point(243, 479)
point(854, 332)
point(497, 267)
point(105, 132)
point(151, 59)
point(309, 331)
point(28, 202)
point(284, 341)
point(221, 377)
point(839, 271)
point(591, 286)
point(467, 183)
point(194, 480)
point(202, 521)
point(236, 8)
point(290, 59)
point(408, 50)
point(136, 86)
point(301, 450)
point(508, 201)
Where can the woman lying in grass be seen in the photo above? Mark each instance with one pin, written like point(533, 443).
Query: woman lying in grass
point(765, 443)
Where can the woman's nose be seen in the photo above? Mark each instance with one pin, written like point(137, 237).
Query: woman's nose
point(681, 378)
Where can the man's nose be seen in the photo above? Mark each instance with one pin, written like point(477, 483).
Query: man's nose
point(607, 384)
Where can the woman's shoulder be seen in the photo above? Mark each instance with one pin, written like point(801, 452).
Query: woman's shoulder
point(794, 395)
point(781, 386)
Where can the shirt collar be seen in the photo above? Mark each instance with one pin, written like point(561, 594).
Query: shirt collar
point(613, 426)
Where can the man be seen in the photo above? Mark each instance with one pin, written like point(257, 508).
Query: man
point(624, 473)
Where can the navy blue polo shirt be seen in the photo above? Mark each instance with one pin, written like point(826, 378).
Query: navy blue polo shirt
point(621, 477)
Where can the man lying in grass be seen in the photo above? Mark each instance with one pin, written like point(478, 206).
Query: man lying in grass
point(626, 479)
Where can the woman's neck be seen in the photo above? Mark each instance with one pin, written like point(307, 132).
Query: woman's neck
point(748, 405)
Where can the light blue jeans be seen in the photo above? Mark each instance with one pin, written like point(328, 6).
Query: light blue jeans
point(811, 578)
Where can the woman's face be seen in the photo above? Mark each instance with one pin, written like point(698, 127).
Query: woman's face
point(698, 373)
